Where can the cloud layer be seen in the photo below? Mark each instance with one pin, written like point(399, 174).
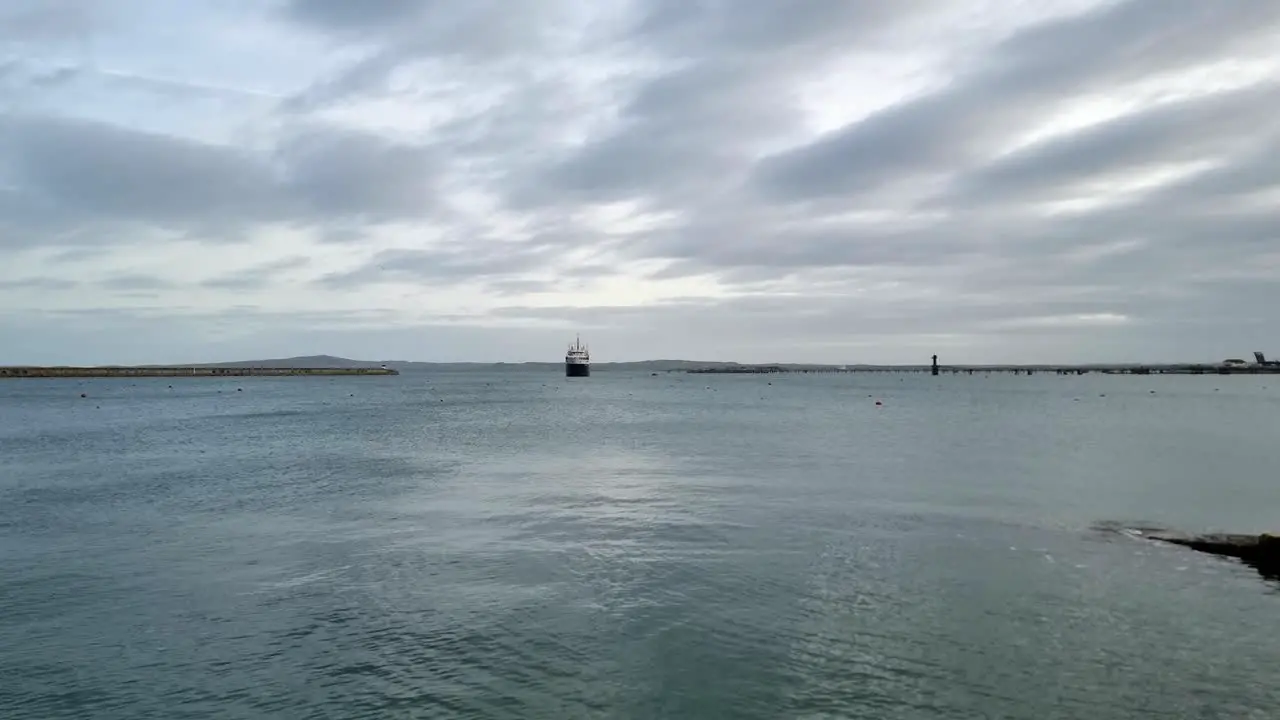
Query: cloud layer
point(1072, 180)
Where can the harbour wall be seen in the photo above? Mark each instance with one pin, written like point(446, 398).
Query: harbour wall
point(1268, 369)
point(132, 372)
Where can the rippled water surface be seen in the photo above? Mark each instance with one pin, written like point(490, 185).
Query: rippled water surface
point(513, 544)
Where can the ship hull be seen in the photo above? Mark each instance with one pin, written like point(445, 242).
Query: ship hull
point(577, 370)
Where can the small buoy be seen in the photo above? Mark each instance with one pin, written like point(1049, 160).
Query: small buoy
point(239, 389)
point(83, 395)
point(879, 404)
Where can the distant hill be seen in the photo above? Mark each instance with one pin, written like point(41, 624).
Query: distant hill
point(306, 361)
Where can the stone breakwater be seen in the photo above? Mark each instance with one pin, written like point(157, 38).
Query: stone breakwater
point(133, 372)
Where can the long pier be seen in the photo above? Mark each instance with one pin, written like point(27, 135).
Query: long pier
point(1268, 369)
point(31, 371)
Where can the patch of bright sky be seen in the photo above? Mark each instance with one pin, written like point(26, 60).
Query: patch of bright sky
point(423, 96)
point(1103, 319)
point(1092, 110)
point(630, 286)
point(626, 217)
point(1122, 187)
point(149, 104)
point(1262, 268)
point(855, 86)
point(1267, 199)
point(481, 214)
point(192, 69)
point(231, 43)
point(594, 90)
point(1093, 253)
point(916, 59)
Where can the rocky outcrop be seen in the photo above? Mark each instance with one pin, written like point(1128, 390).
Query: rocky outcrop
point(1262, 552)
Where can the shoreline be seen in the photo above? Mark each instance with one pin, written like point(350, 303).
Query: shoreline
point(36, 371)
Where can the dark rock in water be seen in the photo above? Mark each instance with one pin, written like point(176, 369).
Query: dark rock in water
point(1261, 552)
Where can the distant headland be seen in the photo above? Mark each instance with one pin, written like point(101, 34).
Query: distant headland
point(287, 367)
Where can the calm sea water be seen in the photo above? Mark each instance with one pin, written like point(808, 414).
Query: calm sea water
point(512, 544)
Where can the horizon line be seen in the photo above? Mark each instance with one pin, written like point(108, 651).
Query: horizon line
point(265, 362)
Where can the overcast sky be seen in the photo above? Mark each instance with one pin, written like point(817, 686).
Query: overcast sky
point(753, 180)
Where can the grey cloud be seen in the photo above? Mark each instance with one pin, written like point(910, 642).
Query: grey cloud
point(257, 277)
point(1157, 253)
point(1123, 40)
point(446, 265)
point(1201, 128)
point(364, 176)
point(755, 26)
point(233, 315)
point(1018, 265)
point(76, 255)
point(18, 75)
point(21, 75)
point(1139, 260)
point(753, 241)
point(341, 234)
point(38, 283)
point(521, 287)
point(1020, 81)
point(687, 130)
point(367, 76)
point(68, 176)
point(799, 320)
point(136, 282)
point(590, 270)
point(1253, 168)
point(402, 31)
point(674, 137)
point(32, 21)
point(563, 277)
point(354, 17)
point(96, 169)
